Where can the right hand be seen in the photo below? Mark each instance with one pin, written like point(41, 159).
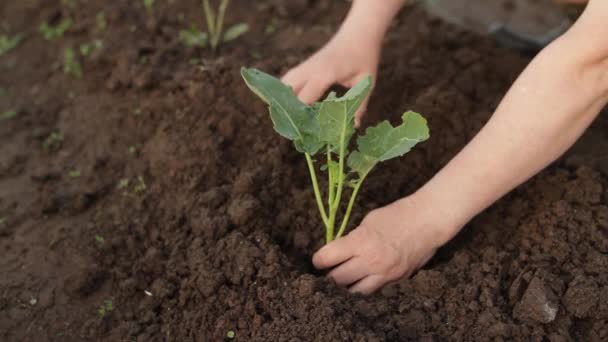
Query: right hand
point(345, 60)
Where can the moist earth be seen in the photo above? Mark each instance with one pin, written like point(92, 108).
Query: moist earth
point(171, 211)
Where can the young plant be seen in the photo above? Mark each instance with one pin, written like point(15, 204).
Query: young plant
point(71, 66)
point(326, 128)
point(54, 32)
point(7, 43)
point(215, 25)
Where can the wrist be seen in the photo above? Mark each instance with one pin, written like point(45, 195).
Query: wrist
point(369, 20)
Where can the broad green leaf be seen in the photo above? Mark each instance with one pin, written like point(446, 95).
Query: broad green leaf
point(337, 115)
point(235, 31)
point(384, 142)
point(292, 119)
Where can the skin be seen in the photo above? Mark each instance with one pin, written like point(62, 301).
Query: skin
point(546, 110)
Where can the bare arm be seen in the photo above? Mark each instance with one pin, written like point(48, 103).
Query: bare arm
point(550, 105)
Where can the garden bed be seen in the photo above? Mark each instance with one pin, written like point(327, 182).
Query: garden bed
point(165, 207)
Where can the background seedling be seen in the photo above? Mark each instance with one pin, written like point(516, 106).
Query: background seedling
point(140, 186)
point(2, 220)
point(8, 43)
point(230, 334)
point(149, 4)
point(53, 141)
point(74, 173)
point(9, 114)
point(123, 183)
point(326, 128)
point(100, 240)
point(105, 308)
point(71, 66)
point(88, 48)
point(100, 21)
point(215, 25)
point(54, 32)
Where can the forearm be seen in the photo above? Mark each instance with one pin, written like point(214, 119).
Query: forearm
point(551, 104)
point(369, 20)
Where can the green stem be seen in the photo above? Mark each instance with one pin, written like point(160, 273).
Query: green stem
point(351, 202)
point(210, 16)
point(330, 185)
point(336, 203)
point(315, 185)
point(220, 23)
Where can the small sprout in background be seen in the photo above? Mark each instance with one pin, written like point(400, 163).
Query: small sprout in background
point(140, 186)
point(70, 63)
point(148, 4)
point(255, 54)
point(181, 17)
point(3, 92)
point(133, 28)
point(105, 308)
point(230, 334)
point(9, 114)
point(132, 149)
point(2, 220)
point(123, 183)
point(215, 26)
point(7, 43)
point(326, 128)
point(195, 61)
point(137, 111)
point(88, 48)
point(50, 32)
point(53, 141)
point(100, 21)
point(74, 173)
point(271, 27)
point(100, 240)
point(33, 301)
point(193, 37)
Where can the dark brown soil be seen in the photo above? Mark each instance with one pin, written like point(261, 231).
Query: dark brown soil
point(219, 240)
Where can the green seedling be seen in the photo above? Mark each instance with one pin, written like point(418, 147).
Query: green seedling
point(100, 21)
point(2, 220)
point(230, 334)
point(132, 149)
point(9, 114)
point(326, 128)
point(215, 26)
point(100, 240)
point(105, 308)
point(71, 66)
point(8, 43)
point(149, 4)
point(74, 173)
point(123, 183)
point(53, 141)
point(140, 186)
point(88, 48)
point(54, 32)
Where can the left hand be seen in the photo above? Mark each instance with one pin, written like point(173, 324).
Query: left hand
point(391, 242)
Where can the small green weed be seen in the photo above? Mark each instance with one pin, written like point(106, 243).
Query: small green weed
point(54, 32)
point(88, 48)
point(140, 186)
point(8, 43)
point(100, 239)
point(100, 21)
point(123, 183)
point(230, 334)
point(149, 4)
point(71, 66)
point(9, 114)
point(53, 141)
point(105, 308)
point(74, 173)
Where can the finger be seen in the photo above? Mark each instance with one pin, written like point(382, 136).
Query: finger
point(294, 78)
point(349, 272)
point(361, 112)
point(313, 90)
point(368, 285)
point(334, 253)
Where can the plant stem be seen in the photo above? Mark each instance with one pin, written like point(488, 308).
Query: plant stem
point(220, 23)
point(351, 202)
point(330, 185)
point(315, 185)
point(210, 15)
point(333, 209)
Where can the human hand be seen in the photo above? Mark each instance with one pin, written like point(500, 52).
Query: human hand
point(345, 60)
point(391, 242)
